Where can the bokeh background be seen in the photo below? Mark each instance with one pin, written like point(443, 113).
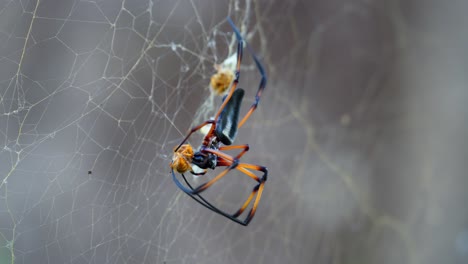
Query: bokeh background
point(363, 127)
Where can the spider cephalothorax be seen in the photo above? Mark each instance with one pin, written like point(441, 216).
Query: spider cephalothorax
point(204, 161)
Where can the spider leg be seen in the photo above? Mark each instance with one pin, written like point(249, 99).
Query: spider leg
point(261, 87)
point(247, 202)
point(193, 130)
point(260, 69)
point(227, 160)
point(255, 104)
point(240, 48)
point(257, 191)
point(218, 177)
point(199, 199)
point(245, 148)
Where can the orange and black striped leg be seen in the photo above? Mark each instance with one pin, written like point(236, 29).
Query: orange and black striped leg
point(261, 87)
point(244, 148)
point(240, 49)
point(257, 191)
point(193, 130)
point(199, 199)
point(260, 68)
point(232, 163)
point(255, 104)
point(246, 169)
point(207, 184)
point(247, 202)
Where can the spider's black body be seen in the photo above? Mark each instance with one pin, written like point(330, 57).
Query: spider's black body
point(226, 125)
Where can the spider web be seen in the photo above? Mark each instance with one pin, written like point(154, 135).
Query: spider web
point(94, 95)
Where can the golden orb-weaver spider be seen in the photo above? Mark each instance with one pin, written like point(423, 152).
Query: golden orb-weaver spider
point(223, 130)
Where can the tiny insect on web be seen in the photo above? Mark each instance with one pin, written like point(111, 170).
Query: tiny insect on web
point(223, 131)
point(222, 79)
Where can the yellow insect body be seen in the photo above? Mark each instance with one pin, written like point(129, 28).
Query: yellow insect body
point(182, 159)
point(221, 81)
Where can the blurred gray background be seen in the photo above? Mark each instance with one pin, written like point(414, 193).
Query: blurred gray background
point(363, 127)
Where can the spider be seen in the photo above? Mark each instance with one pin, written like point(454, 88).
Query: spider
point(223, 131)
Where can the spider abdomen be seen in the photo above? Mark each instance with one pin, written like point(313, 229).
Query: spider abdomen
point(226, 125)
